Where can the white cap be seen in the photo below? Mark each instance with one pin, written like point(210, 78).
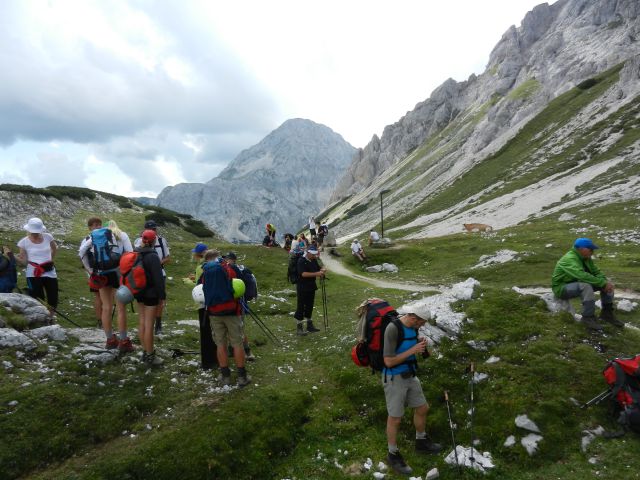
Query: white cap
point(419, 311)
point(35, 225)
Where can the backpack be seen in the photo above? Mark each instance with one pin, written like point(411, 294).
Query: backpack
point(375, 314)
point(623, 376)
point(218, 290)
point(4, 264)
point(250, 284)
point(323, 230)
point(133, 273)
point(292, 268)
point(105, 256)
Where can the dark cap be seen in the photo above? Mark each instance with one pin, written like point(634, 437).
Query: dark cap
point(150, 224)
point(231, 255)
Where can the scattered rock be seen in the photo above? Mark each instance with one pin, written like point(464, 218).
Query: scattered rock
point(432, 474)
point(480, 462)
point(464, 290)
point(353, 469)
point(33, 311)
point(627, 305)
point(3, 323)
point(479, 377)
point(565, 217)
point(479, 345)
point(530, 442)
point(492, 359)
point(510, 441)
point(523, 421)
point(101, 358)
point(593, 460)
point(378, 475)
point(556, 305)
point(589, 435)
point(10, 338)
point(374, 269)
point(390, 267)
point(52, 332)
point(501, 256)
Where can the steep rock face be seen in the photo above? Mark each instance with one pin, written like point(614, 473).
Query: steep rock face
point(556, 47)
point(282, 180)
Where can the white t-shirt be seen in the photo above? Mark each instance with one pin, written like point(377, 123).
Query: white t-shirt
point(38, 253)
point(312, 224)
point(374, 236)
point(355, 247)
point(123, 243)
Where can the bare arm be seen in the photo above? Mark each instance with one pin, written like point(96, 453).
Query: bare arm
point(54, 249)
point(22, 257)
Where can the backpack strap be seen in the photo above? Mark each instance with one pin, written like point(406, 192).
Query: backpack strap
point(161, 243)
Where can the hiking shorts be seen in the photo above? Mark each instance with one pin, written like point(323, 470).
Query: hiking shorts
point(148, 301)
point(402, 392)
point(227, 327)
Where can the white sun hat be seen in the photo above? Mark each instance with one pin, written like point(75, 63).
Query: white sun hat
point(35, 225)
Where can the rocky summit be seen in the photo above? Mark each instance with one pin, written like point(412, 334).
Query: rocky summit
point(282, 180)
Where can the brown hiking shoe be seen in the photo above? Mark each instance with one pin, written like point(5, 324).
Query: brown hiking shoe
point(112, 342)
point(125, 346)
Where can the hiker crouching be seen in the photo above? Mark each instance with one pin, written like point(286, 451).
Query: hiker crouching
point(308, 270)
point(576, 275)
point(402, 386)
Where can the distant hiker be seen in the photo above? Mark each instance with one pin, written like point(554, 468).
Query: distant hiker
point(37, 251)
point(93, 223)
point(303, 243)
point(267, 241)
point(208, 350)
point(223, 305)
point(150, 297)
point(576, 275)
point(162, 249)
point(271, 232)
point(232, 259)
point(373, 237)
point(8, 273)
point(104, 277)
point(402, 387)
point(288, 239)
point(323, 231)
point(308, 270)
point(312, 227)
point(357, 250)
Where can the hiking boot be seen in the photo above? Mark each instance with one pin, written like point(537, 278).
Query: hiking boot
point(112, 342)
point(590, 322)
point(426, 445)
point(243, 381)
point(250, 357)
point(311, 328)
point(300, 330)
point(152, 359)
point(125, 346)
point(607, 315)
point(398, 464)
point(224, 379)
point(158, 327)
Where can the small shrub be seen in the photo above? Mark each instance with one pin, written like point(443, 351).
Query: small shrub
point(197, 228)
point(587, 84)
point(162, 218)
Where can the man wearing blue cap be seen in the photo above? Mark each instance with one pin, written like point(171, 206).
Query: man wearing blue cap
point(576, 275)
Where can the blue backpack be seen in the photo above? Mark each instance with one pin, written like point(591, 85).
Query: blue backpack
point(250, 284)
point(105, 255)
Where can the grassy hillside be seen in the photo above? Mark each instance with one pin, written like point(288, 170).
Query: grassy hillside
point(309, 409)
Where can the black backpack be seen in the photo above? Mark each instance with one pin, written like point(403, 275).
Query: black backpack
point(292, 268)
point(5, 263)
point(250, 283)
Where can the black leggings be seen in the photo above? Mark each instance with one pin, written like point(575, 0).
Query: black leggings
point(39, 285)
point(304, 307)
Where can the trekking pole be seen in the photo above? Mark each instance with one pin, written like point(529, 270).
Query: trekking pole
point(597, 399)
point(45, 304)
point(453, 438)
point(177, 352)
point(471, 371)
point(324, 304)
point(260, 323)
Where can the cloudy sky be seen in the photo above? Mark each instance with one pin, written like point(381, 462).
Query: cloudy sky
point(132, 96)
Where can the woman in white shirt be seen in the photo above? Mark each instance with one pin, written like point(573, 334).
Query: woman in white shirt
point(37, 251)
point(107, 283)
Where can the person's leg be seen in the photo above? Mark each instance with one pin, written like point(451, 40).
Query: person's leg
point(106, 299)
point(208, 353)
point(607, 314)
point(221, 338)
point(586, 294)
point(97, 306)
point(147, 318)
point(51, 288)
point(36, 290)
point(420, 418)
point(299, 314)
point(309, 300)
point(124, 343)
point(393, 425)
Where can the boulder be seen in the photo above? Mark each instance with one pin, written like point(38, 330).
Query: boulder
point(530, 443)
point(374, 269)
point(389, 267)
point(33, 311)
point(523, 421)
point(10, 338)
point(51, 332)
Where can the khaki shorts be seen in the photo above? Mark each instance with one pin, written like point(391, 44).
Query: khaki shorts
point(402, 392)
point(227, 328)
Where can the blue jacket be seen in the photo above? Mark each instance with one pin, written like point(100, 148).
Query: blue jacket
point(9, 278)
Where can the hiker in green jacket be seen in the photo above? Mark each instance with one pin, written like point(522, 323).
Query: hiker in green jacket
point(576, 275)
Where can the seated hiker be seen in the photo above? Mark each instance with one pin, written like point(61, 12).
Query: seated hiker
point(576, 275)
point(8, 273)
point(357, 250)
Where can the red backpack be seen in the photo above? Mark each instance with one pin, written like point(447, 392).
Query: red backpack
point(375, 314)
point(623, 376)
point(132, 272)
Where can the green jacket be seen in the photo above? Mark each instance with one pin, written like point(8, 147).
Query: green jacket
point(573, 268)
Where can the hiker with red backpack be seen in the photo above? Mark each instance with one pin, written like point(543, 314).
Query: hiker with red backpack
point(100, 254)
point(142, 275)
point(249, 280)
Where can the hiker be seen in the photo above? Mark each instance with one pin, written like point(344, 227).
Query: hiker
point(271, 232)
point(288, 240)
point(105, 279)
point(402, 387)
point(323, 231)
point(8, 273)
point(208, 353)
point(162, 249)
point(267, 241)
point(232, 259)
point(37, 251)
point(576, 275)
point(150, 297)
point(312, 227)
point(373, 237)
point(357, 250)
point(308, 269)
point(224, 309)
point(93, 223)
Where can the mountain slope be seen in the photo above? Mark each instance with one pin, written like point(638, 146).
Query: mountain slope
point(283, 179)
point(549, 101)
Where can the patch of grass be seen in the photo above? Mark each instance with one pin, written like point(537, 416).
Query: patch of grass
point(525, 90)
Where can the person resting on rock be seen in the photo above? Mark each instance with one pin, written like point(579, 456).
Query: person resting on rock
point(576, 275)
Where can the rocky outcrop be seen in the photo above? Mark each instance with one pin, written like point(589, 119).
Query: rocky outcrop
point(282, 180)
point(34, 313)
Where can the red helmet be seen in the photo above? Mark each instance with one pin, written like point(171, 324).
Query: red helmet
point(149, 237)
point(359, 355)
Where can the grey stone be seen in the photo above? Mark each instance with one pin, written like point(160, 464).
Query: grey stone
point(10, 338)
point(51, 332)
point(374, 269)
point(530, 443)
point(523, 421)
point(3, 323)
point(33, 311)
point(510, 441)
point(433, 474)
point(389, 267)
